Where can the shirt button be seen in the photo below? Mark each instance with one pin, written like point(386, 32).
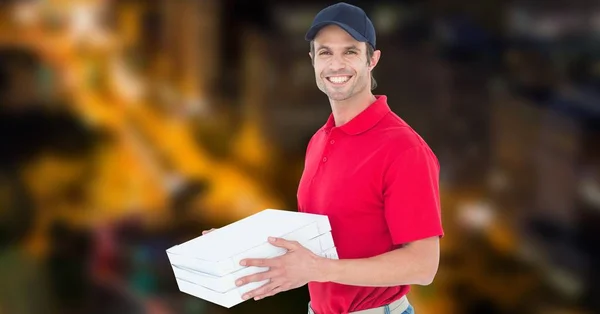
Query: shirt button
point(332, 142)
point(324, 159)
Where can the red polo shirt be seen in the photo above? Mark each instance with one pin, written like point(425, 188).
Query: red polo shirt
point(377, 180)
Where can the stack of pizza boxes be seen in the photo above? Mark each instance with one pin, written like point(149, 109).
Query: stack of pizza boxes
point(208, 266)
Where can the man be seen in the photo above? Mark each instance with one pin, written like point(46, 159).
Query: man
point(371, 174)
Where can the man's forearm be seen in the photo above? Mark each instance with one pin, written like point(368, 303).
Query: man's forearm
point(411, 265)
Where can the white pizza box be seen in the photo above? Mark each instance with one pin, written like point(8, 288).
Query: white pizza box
point(219, 252)
point(226, 283)
point(232, 297)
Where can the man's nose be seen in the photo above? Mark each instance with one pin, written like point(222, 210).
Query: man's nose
point(337, 63)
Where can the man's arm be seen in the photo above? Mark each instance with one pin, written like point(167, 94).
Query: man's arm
point(413, 264)
point(413, 215)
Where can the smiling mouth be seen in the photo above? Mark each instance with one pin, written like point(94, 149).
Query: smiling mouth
point(339, 80)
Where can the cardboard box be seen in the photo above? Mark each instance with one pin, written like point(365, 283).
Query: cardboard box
point(232, 297)
point(207, 266)
point(219, 252)
point(225, 283)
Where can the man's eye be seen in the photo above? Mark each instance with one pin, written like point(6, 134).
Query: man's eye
point(351, 52)
point(324, 53)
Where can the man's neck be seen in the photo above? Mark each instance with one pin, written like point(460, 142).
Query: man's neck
point(345, 110)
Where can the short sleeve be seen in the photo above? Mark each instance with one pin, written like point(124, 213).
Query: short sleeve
point(411, 196)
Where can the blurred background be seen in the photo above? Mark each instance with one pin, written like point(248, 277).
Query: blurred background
point(130, 126)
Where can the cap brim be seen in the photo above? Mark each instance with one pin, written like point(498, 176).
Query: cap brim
point(313, 30)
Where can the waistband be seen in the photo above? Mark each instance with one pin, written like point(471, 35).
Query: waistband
point(396, 307)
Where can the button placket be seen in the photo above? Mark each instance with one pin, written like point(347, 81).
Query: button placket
point(326, 152)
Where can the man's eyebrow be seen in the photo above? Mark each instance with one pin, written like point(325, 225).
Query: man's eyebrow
point(319, 47)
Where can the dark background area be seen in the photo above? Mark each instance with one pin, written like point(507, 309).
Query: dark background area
point(130, 126)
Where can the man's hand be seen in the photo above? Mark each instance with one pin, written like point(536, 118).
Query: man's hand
point(292, 270)
point(207, 231)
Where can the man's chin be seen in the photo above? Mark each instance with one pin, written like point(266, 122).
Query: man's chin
point(338, 96)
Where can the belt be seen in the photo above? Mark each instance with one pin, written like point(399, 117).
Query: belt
point(396, 307)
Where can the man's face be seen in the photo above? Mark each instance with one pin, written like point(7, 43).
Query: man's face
point(341, 65)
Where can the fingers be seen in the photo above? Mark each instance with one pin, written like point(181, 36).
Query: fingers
point(257, 277)
point(207, 231)
point(261, 262)
point(269, 293)
point(283, 243)
point(268, 289)
point(275, 261)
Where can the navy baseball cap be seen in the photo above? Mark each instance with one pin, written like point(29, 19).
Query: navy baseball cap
point(349, 17)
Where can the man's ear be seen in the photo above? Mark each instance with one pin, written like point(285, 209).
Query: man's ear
point(312, 61)
point(375, 58)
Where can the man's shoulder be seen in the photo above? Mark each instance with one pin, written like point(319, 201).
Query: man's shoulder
point(399, 135)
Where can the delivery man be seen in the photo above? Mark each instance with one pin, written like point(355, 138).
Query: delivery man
point(371, 174)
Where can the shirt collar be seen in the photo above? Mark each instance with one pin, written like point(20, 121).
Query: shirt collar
point(365, 120)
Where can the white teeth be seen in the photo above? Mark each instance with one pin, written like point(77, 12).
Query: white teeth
point(339, 79)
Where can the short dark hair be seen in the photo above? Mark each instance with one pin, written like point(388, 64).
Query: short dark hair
point(370, 52)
